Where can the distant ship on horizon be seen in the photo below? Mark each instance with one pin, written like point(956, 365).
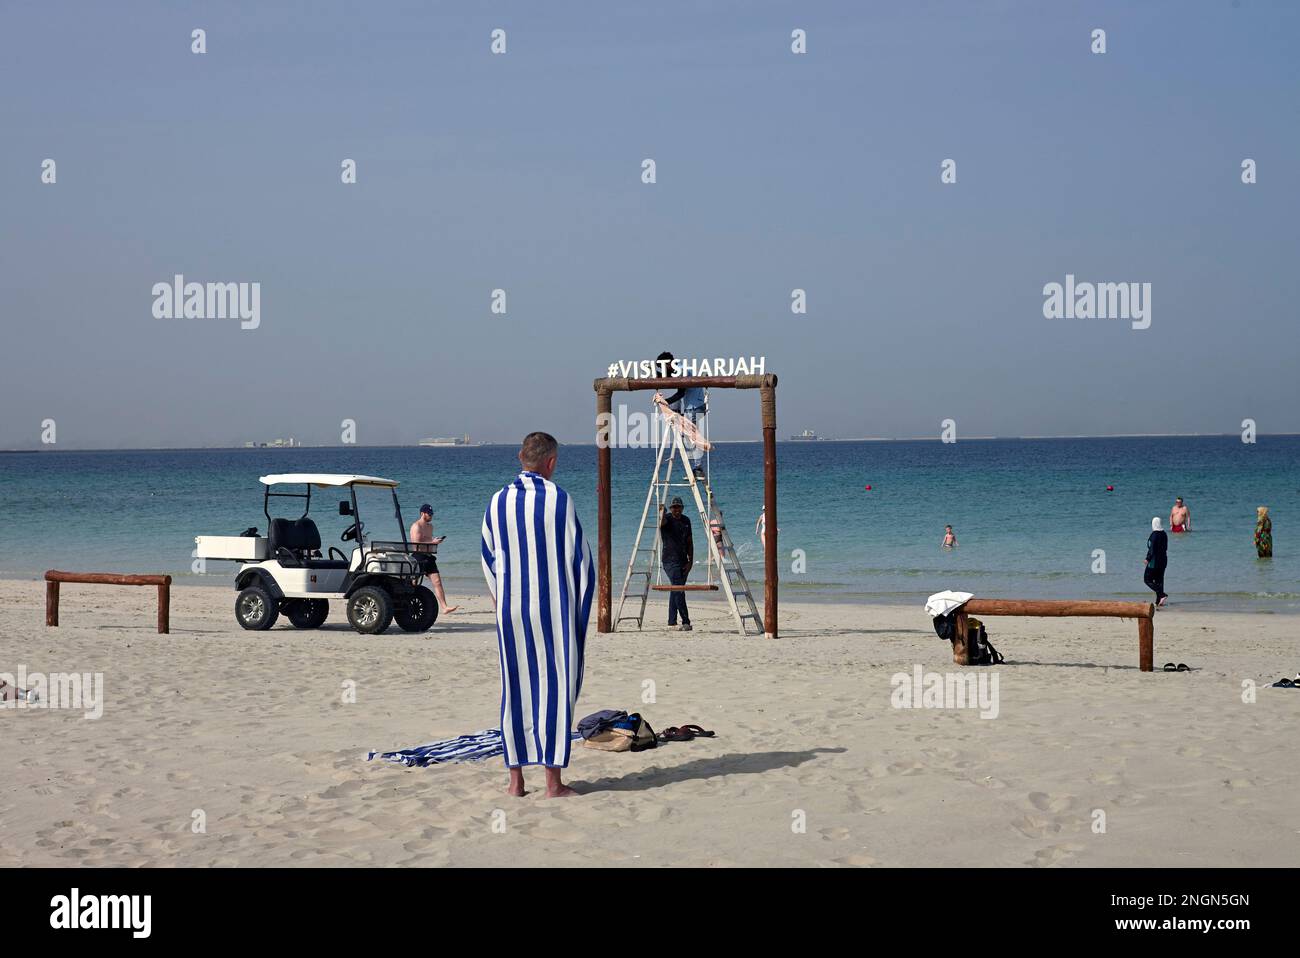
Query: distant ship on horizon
point(453, 441)
point(806, 436)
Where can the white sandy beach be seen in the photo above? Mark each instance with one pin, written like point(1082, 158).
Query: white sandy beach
point(251, 729)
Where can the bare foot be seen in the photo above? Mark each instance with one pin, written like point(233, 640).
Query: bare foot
point(450, 608)
point(516, 786)
point(560, 791)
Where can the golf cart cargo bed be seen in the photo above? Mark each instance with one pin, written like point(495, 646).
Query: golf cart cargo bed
point(242, 548)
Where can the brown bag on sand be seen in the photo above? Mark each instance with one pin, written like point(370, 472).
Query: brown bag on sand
point(624, 739)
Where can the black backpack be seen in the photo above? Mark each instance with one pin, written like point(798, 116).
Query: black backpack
point(978, 646)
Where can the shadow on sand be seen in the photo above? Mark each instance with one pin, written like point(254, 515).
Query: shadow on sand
point(733, 763)
point(1075, 665)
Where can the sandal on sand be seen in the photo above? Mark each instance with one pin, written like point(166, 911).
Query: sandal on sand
point(675, 734)
point(697, 731)
point(1286, 684)
point(1180, 667)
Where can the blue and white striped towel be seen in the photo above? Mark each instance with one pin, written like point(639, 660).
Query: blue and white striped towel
point(464, 748)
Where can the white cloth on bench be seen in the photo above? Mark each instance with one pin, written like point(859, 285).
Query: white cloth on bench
point(941, 603)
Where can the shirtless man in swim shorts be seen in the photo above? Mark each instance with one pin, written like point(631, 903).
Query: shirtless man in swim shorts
point(421, 539)
point(1180, 517)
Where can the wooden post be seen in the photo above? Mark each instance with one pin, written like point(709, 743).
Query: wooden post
point(51, 603)
point(767, 395)
point(1146, 645)
point(960, 646)
point(164, 583)
point(164, 606)
point(1144, 612)
point(1059, 608)
point(604, 580)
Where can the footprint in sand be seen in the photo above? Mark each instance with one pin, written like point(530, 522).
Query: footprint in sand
point(651, 815)
point(836, 833)
point(1054, 855)
point(1105, 778)
point(1056, 804)
point(1032, 826)
point(344, 790)
point(1123, 801)
point(904, 768)
point(860, 860)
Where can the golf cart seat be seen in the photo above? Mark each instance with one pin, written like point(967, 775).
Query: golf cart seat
point(292, 542)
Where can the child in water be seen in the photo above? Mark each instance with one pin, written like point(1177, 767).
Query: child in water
point(949, 540)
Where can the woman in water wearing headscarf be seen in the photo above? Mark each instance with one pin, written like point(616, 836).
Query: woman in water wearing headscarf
point(1263, 533)
point(1157, 559)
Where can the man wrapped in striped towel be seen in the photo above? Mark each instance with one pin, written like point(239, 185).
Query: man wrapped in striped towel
point(539, 570)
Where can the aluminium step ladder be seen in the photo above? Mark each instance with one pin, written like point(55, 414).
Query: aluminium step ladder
point(643, 567)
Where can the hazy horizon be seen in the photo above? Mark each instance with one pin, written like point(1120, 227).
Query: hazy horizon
point(522, 171)
point(781, 438)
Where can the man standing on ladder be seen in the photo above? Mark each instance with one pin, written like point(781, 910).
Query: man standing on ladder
point(692, 404)
point(678, 555)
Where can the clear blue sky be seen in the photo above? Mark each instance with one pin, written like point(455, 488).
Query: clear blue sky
point(522, 171)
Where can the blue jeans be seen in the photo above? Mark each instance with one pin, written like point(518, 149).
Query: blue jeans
point(676, 572)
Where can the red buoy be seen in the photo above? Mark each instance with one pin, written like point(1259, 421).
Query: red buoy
point(868, 488)
point(1110, 488)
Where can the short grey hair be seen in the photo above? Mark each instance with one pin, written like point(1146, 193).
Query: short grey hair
point(537, 447)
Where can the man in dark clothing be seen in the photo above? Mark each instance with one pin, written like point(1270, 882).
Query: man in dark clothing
point(1157, 560)
point(677, 552)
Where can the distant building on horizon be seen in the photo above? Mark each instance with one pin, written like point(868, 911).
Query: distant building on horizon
point(461, 441)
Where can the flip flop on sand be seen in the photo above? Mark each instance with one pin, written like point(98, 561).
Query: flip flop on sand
point(1286, 684)
point(697, 731)
point(675, 734)
point(1180, 667)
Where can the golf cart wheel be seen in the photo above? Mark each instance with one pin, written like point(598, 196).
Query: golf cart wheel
point(370, 610)
point(255, 609)
point(307, 613)
point(420, 612)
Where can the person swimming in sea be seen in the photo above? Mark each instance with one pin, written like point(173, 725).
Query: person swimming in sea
point(949, 539)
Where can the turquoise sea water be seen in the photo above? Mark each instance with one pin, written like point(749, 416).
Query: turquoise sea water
point(1028, 513)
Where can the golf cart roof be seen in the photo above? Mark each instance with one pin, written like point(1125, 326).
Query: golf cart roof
point(326, 479)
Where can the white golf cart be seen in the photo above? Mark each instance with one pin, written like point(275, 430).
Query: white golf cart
point(284, 570)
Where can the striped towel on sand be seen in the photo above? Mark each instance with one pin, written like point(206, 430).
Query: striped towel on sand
point(464, 748)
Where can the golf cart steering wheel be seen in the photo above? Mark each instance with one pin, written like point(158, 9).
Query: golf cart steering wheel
point(352, 531)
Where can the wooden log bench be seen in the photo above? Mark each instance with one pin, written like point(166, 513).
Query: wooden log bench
point(53, 577)
point(1144, 612)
